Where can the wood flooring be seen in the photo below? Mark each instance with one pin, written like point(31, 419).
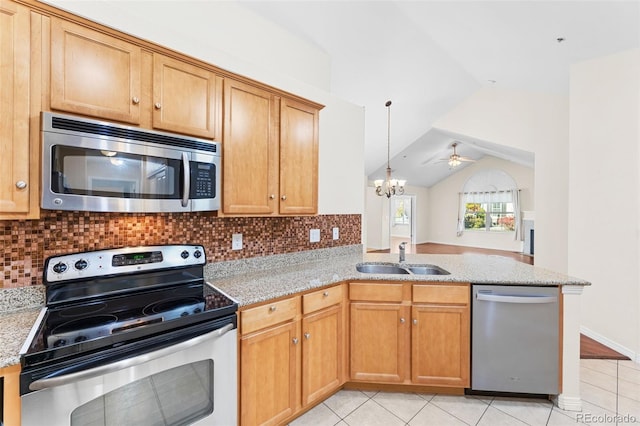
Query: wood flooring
point(589, 348)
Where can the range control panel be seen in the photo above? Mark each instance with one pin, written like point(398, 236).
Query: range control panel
point(122, 260)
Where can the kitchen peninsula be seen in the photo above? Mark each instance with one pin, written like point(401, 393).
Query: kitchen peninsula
point(304, 283)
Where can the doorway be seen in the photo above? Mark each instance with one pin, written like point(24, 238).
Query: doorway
point(402, 223)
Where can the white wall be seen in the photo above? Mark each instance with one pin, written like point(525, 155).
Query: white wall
point(443, 212)
point(604, 195)
point(232, 37)
point(534, 122)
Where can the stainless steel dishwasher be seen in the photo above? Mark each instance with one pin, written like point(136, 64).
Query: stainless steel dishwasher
point(515, 339)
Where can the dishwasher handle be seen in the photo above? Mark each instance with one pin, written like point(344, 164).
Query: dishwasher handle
point(521, 298)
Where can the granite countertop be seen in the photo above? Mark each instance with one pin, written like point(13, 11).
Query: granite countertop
point(257, 280)
point(261, 279)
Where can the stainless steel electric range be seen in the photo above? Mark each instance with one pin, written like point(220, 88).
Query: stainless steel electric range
point(131, 336)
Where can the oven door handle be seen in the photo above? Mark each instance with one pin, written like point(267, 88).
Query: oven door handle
point(126, 363)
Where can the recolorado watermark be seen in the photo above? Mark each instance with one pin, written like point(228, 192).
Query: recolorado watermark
point(606, 418)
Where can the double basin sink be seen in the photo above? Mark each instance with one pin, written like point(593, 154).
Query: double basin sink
point(399, 269)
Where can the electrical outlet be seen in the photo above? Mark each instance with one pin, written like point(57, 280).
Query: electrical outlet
point(314, 235)
point(336, 233)
point(236, 242)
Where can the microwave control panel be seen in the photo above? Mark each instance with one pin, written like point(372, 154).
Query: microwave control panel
point(203, 180)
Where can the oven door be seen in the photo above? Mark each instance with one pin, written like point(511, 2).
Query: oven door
point(191, 382)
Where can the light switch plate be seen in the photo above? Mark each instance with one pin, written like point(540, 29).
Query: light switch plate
point(236, 242)
point(314, 235)
point(336, 233)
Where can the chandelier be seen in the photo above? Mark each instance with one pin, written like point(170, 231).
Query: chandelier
point(389, 186)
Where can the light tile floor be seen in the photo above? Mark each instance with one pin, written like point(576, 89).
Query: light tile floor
point(610, 396)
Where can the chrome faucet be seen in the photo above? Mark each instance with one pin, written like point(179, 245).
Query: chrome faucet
point(402, 248)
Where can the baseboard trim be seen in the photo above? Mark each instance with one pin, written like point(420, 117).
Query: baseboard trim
point(610, 343)
point(568, 403)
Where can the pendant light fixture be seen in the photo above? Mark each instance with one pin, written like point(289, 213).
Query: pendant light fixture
point(389, 186)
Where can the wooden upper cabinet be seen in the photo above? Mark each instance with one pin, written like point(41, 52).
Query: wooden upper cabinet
point(186, 99)
point(298, 158)
point(250, 150)
point(15, 148)
point(93, 73)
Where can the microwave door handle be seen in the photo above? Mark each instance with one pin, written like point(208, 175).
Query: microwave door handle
point(126, 363)
point(186, 178)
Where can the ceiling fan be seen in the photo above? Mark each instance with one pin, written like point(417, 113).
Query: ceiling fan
point(455, 159)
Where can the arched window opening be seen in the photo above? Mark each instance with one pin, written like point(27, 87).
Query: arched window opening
point(490, 202)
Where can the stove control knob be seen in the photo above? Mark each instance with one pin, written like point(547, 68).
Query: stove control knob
point(59, 342)
point(197, 254)
point(184, 254)
point(197, 310)
point(80, 338)
point(184, 314)
point(59, 268)
point(81, 264)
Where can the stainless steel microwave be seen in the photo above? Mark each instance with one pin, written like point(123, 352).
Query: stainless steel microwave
point(92, 165)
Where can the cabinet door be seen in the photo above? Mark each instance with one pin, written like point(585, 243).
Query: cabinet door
point(93, 73)
point(14, 108)
point(250, 150)
point(379, 342)
point(440, 345)
point(268, 375)
point(11, 378)
point(298, 158)
point(186, 99)
point(321, 353)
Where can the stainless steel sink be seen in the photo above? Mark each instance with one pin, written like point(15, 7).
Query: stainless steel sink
point(427, 270)
point(377, 268)
point(390, 268)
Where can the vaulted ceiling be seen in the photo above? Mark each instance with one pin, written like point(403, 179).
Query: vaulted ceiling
point(428, 56)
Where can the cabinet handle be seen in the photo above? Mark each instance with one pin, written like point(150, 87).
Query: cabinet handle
point(272, 197)
point(307, 336)
point(295, 340)
point(401, 320)
point(158, 105)
point(21, 184)
point(325, 294)
point(135, 100)
point(284, 197)
point(272, 308)
point(415, 322)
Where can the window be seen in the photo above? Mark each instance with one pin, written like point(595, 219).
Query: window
point(403, 211)
point(498, 217)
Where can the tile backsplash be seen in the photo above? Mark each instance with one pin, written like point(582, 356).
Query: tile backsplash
point(27, 243)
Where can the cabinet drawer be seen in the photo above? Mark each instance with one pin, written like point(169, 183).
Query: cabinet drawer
point(442, 294)
point(321, 299)
point(376, 292)
point(263, 316)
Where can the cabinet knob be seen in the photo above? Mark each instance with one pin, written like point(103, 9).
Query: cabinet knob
point(135, 100)
point(325, 294)
point(415, 322)
point(307, 336)
point(402, 320)
point(295, 340)
point(272, 196)
point(158, 105)
point(272, 309)
point(284, 197)
point(21, 184)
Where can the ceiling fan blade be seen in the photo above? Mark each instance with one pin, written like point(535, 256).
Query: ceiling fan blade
point(467, 159)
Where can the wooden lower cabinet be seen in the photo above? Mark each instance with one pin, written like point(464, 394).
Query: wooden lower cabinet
point(11, 391)
point(440, 345)
point(420, 336)
point(289, 360)
point(269, 379)
point(321, 354)
point(379, 342)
